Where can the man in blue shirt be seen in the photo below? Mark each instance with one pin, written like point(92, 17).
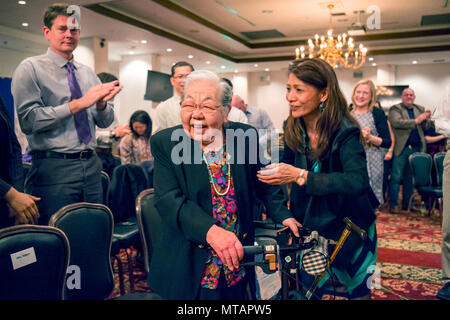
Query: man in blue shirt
point(59, 102)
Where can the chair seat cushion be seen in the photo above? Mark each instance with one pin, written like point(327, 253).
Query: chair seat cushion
point(430, 191)
point(126, 234)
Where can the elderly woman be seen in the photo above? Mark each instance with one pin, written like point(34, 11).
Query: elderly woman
point(206, 198)
point(375, 131)
point(326, 162)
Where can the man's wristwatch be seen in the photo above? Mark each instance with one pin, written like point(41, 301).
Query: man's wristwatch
point(301, 178)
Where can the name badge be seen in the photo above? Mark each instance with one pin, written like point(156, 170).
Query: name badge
point(23, 258)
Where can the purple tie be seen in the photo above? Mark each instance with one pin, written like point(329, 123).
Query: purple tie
point(81, 117)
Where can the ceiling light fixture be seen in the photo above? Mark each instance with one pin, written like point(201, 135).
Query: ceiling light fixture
point(340, 50)
point(22, 2)
point(374, 64)
point(208, 62)
point(143, 41)
point(266, 69)
point(255, 65)
point(25, 24)
point(222, 67)
point(414, 62)
point(190, 56)
point(169, 50)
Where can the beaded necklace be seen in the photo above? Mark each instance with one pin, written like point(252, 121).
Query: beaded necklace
point(212, 180)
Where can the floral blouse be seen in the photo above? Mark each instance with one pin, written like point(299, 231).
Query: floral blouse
point(134, 151)
point(224, 210)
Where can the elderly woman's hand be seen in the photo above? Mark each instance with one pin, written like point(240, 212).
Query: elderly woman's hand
point(226, 245)
point(278, 173)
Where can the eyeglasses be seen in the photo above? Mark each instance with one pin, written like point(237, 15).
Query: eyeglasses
point(188, 107)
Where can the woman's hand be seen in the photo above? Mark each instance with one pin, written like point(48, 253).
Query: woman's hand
point(388, 155)
point(278, 173)
point(366, 133)
point(226, 245)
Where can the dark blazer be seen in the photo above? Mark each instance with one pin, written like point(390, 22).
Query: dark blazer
point(183, 199)
point(380, 119)
point(11, 169)
point(341, 189)
point(402, 125)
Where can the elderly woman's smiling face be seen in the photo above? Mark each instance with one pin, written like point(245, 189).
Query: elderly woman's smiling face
point(202, 114)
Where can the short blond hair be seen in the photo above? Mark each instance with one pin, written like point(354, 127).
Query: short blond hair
point(373, 92)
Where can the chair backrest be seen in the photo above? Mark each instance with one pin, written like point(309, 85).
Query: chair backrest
point(106, 182)
point(89, 228)
point(421, 164)
point(149, 222)
point(439, 165)
point(33, 263)
point(127, 181)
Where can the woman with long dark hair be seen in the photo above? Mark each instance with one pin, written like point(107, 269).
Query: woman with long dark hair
point(325, 160)
point(135, 147)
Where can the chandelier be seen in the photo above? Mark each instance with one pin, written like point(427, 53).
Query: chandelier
point(337, 51)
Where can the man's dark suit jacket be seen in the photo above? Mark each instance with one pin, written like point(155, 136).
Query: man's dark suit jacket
point(183, 199)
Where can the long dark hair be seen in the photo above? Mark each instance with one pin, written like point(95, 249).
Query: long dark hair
point(320, 75)
point(142, 117)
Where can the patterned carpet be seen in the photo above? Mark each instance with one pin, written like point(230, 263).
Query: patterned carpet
point(409, 259)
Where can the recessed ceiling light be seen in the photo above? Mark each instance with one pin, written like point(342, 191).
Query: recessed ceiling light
point(222, 67)
point(25, 24)
point(22, 2)
point(190, 56)
point(266, 69)
point(235, 71)
point(371, 59)
point(414, 62)
point(255, 65)
point(374, 64)
point(208, 62)
point(143, 41)
point(130, 52)
point(169, 49)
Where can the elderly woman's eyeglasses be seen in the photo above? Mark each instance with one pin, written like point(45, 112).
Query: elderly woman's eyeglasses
point(206, 108)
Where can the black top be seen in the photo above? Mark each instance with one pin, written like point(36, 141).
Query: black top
point(341, 189)
point(381, 124)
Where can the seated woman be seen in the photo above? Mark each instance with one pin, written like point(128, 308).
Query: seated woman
point(375, 131)
point(135, 147)
point(206, 191)
point(325, 159)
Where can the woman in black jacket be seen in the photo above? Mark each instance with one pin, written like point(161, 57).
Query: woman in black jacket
point(375, 131)
point(324, 156)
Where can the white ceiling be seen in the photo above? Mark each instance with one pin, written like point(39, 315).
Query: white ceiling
point(203, 23)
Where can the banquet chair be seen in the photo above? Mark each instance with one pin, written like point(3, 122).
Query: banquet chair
point(106, 182)
point(421, 164)
point(149, 222)
point(89, 228)
point(127, 182)
point(33, 263)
